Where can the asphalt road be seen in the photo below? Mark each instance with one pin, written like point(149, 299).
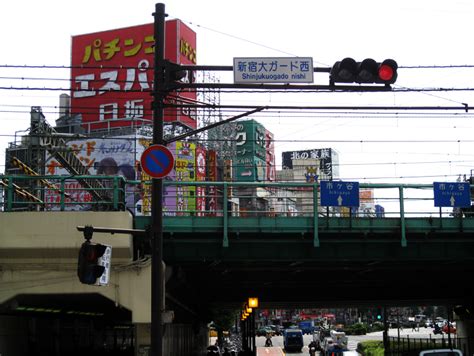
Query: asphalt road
point(277, 349)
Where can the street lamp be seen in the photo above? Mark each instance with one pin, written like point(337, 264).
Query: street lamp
point(253, 302)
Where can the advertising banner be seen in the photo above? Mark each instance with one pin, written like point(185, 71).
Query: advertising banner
point(112, 75)
point(114, 156)
point(212, 177)
point(185, 168)
point(177, 200)
point(120, 156)
point(250, 150)
point(328, 160)
point(270, 174)
point(200, 177)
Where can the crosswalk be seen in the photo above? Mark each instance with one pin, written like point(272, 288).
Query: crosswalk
point(352, 344)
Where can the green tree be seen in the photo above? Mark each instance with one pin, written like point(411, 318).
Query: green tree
point(223, 320)
point(429, 311)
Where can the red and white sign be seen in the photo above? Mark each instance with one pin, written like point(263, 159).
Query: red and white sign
point(112, 74)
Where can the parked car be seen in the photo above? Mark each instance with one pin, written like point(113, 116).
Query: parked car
point(264, 331)
point(277, 329)
point(451, 329)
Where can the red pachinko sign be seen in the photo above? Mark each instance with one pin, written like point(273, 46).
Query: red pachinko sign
point(112, 75)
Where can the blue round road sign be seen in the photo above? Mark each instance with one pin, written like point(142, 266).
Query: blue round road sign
point(157, 161)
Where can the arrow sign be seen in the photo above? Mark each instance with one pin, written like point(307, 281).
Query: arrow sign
point(339, 193)
point(452, 194)
point(157, 161)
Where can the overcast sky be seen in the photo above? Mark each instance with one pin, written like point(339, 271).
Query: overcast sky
point(413, 32)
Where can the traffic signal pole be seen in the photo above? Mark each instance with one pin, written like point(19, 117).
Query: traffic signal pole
point(156, 231)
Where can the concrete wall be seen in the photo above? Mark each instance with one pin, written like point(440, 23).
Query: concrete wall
point(39, 250)
point(38, 255)
point(13, 336)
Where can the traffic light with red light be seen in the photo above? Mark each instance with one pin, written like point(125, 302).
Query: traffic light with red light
point(366, 72)
point(89, 267)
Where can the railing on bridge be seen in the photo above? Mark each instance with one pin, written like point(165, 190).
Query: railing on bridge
point(59, 193)
point(407, 345)
point(245, 199)
point(381, 205)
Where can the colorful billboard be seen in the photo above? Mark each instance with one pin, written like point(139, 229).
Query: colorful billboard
point(112, 75)
point(185, 171)
point(177, 200)
point(212, 205)
point(251, 149)
point(200, 177)
point(270, 173)
point(328, 160)
point(120, 156)
point(113, 156)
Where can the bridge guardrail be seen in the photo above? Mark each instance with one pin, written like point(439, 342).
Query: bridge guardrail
point(412, 346)
point(393, 203)
point(59, 193)
point(288, 199)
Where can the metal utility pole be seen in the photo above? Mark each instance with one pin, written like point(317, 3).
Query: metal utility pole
point(157, 273)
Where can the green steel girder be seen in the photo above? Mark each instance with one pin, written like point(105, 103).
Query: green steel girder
point(361, 258)
point(284, 225)
point(291, 238)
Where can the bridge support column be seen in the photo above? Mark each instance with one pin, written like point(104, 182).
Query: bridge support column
point(465, 331)
point(143, 338)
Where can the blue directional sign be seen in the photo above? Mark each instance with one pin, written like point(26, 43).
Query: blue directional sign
point(339, 193)
point(157, 161)
point(455, 195)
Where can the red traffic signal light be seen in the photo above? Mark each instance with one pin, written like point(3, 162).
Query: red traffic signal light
point(368, 71)
point(89, 267)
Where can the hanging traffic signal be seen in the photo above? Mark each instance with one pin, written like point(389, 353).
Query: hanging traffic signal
point(366, 72)
point(379, 314)
point(462, 312)
point(174, 72)
point(90, 266)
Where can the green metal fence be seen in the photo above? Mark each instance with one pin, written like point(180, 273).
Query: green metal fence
point(408, 346)
point(59, 193)
point(243, 199)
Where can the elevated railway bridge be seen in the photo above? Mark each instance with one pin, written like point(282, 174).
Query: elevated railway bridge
point(271, 240)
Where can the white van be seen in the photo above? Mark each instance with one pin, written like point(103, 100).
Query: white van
point(419, 318)
point(441, 352)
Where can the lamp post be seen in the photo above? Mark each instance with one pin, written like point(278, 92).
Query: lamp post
point(253, 304)
point(157, 270)
point(248, 325)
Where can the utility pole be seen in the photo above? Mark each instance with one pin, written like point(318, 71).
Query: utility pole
point(156, 231)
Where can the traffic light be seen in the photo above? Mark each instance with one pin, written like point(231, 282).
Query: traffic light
point(90, 266)
point(462, 311)
point(379, 314)
point(366, 72)
point(175, 74)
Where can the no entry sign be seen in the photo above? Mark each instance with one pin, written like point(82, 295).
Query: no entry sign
point(157, 161)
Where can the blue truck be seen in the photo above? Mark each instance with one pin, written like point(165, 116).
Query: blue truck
point(293, 340)
point(307, 326)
